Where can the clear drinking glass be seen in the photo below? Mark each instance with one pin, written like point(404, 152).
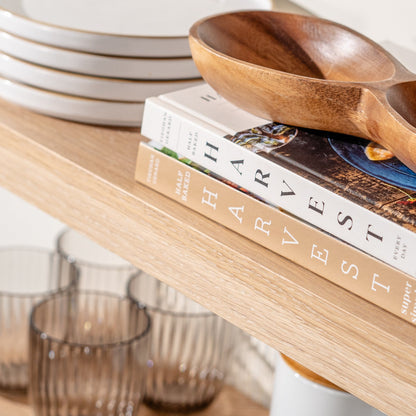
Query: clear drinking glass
point(88, 354)
point(191, 347)
point(26, 276)
point(99, 269)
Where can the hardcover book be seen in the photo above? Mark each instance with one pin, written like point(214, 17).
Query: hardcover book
point(346, 186)
point(229, 205)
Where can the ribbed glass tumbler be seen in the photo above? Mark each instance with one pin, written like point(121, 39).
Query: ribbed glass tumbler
point(88, 354)
point(99, 268)
point(191, 347)
point(26, 276)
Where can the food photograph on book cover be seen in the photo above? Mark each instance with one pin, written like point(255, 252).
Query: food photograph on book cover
point(376, 161)
point(351, 164)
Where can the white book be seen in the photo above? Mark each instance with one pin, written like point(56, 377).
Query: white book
point(199, 124)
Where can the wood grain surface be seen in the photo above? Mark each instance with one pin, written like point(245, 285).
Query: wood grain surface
point(83, 175)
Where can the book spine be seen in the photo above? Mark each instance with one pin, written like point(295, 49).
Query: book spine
point(210, 147)
point(278, 231)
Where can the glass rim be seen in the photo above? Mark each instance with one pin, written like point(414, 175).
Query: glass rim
point(41, 250)
point(162, 311)
point(107, 345)
point(85, 263)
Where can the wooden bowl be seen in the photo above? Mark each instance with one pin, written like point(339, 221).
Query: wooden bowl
point(309, 72)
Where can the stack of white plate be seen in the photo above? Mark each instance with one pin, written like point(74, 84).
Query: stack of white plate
point(96, 61)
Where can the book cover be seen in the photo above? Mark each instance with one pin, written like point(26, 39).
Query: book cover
point(323, 178)
point(233, 207)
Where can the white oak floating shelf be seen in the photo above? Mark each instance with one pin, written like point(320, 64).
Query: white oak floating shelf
point(83, 175)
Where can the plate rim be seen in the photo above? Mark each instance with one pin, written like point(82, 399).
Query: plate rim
point(70, 99)
point(67, 29)
point(123, 68)
point(39, 76)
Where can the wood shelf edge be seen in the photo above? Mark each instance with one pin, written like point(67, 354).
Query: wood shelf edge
point(83, 176)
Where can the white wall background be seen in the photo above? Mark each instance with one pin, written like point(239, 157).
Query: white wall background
point(23, 224)
point(380, 20)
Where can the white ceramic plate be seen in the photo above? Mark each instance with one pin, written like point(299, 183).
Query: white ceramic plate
point(85, 85)
point(98, 65)
point(110, 113)
point(146, 28)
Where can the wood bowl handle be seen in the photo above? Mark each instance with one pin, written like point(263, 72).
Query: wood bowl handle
point(390, 121)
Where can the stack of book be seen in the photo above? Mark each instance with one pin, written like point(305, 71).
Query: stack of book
point(337, 205)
